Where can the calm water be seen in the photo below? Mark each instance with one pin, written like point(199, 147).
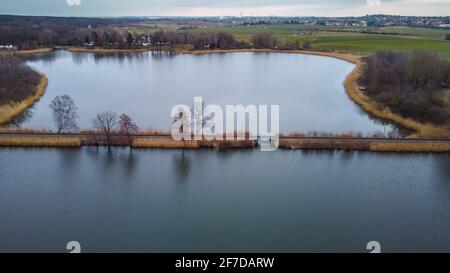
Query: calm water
point(309, 89)
point(172, 200)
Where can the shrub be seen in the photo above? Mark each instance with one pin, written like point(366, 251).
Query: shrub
point(409, 84)
point(264, 40)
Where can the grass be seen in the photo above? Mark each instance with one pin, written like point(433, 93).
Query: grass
point(438, 33)
point(10, 111)
point(409, 147)
point(366, 44)
point(40, 141)
point(349, 39)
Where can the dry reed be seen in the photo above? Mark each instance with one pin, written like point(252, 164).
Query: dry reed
point(40, 141)
point(10, 111)
point(410, 147)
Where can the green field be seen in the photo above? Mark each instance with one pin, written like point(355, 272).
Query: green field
point(365, 44)
point(350, 39)
point(353, 39)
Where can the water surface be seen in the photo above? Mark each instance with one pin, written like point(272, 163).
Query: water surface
point(205, 200)
point(309, 89)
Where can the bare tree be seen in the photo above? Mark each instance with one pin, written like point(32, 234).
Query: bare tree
point(105, 122)
point(181, 124)
point(127, 126)
point(264, 40)
point(64, 113)
point(201, 118)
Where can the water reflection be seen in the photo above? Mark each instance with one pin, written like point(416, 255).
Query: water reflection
point(129, 160)
point(69, 160)
point(18, 121)
point(46, 58)
point(236, 201)
point(182, 165)
point(146, 85)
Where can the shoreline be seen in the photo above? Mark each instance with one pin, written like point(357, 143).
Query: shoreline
point(164, 141)
point(383, 112)
point(9, 112)
point(352, 58)
point(105, 50)
point(351, 85)
point(34, 51)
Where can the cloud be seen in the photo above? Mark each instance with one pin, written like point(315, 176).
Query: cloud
point(222, 7)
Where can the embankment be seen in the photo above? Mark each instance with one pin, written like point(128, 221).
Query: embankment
point(169, 143)
point(39, 141)
point(10, 111)
point(164, 141)
point(368, 144)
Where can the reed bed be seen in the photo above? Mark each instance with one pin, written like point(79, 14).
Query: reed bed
point(167, 143)
point(40, 141)
point(25, 130)
point(410, 147)
point(164, 143)
point(325, 144)
point(228, 144)
point(10, 111)
point(34, 51)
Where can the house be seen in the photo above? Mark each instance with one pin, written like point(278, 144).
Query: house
point(8, 48)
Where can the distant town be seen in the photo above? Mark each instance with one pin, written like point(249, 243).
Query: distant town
point(369, 20)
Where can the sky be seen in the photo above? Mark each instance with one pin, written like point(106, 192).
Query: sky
point(224, 8)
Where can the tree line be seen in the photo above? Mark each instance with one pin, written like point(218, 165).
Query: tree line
point(25, 35)
point(65, 116)
point(411, 85)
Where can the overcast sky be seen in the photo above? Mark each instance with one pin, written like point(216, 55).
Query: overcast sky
point(223, 8)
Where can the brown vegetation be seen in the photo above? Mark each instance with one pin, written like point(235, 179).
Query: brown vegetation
point(410, 147)
point(353, 90)
point(36, 141)
point(168, 143)
point(411, 85)
point(164, 143)
point(10, 110)
point(17, 80)
point(34, 51)
point(324, 144)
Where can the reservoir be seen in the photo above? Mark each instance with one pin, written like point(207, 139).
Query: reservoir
point(236, 201)
point(146, 86)
point(132, 200)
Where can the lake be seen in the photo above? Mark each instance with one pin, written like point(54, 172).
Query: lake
point(308, 89)
point(123, 200)
point(206, 200)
